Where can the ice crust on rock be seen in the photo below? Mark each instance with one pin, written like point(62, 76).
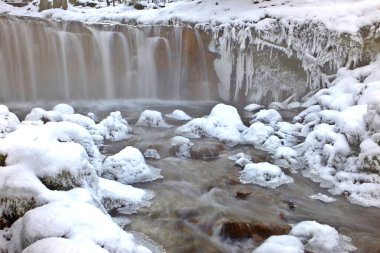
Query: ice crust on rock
point(152, 153)
point(269, 116)
point(128, 167)
point(178, 115)
point(149, 118)
point(114, 127)
point(181, 146)
point(264, 174)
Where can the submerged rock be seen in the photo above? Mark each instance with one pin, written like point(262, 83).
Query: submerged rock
point(206, 151)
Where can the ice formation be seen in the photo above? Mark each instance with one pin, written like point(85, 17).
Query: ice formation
point(281, 243)
point(264, 174)
point(181, 146)
point(322, 197)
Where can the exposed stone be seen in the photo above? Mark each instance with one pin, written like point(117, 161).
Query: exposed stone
point(2, 159)
point(206, 151)
point(243, 194)
point(237, 230)
point(139, 6)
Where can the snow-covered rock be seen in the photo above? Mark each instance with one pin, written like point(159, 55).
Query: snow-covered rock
point(223, 123)
point(181, 146)
point(128, 167)
point(257, 134)
point(241, 159)
point(149, 118)
point(264, 174)
point(8, 121)
point(281, 243)
point(114, 127)
point(286, 157)
point(253, 107)
point(269, 116)
point(75, 221)
point(321, 238)
point(178, 115)
point(152, 153)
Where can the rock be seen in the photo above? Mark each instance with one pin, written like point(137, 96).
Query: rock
point(206, 151)
point(243, 194)
point(181, 146)
point(237, 230)
point(2, 159)
point(139, 6)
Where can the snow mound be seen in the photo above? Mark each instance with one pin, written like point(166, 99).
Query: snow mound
point(76, 221)
point(149, 118)
point(322, 197)
point(281, 243)
point(264, 174)
point(178, 115)
point(286, 157)
point(64, 109)
point(223, 123)
point(8, 121)
point(128, 167)
point(321, 238)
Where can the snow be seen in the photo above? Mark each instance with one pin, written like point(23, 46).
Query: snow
point(178, 115)
point(281, 243)
point(264, 174)
point(128, 167)
point(114, 127)
point(8, 121)
point(253, 107)
point(257, 134)
point(343, 15)
point(223, 123)
point(76, 221)
point(322, 197)
point(149, 118)
point(286, 157)
point(241, 159)
point(269, 116)
point(321, 238)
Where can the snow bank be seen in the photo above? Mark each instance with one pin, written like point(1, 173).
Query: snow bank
point(223, 123)
point(149, 118)
point(342, 145)
point(264, 174)
point(178, 115)
point(128, 167)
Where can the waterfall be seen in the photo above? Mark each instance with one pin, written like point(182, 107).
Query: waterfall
point(49, 61)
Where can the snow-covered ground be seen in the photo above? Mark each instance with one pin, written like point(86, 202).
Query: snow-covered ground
point(342, 15)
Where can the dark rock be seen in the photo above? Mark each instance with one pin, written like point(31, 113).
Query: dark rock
point(243, 194)
point(2, 160)
point(290, 204)
point(139, 6)
point(232, 181)
point(206, 151)
point(236, 230)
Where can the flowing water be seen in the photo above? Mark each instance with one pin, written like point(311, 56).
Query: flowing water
point(196, 197)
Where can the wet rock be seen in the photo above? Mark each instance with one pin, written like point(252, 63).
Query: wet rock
point(290, 204)
point(232, 181)
point(243, 194)
point(236, 230)
point(206, 151)
point(2, 159)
